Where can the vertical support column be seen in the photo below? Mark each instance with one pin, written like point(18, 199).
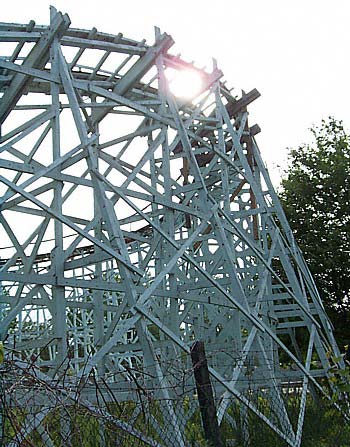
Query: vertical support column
point(205, 395)
point(98, 306)
point(236, 317)
point(171, 311)
point(58, 292)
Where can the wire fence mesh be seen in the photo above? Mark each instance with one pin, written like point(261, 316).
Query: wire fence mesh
point(63, 410)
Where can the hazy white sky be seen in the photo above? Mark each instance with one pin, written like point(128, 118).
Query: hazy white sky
point(296, 53)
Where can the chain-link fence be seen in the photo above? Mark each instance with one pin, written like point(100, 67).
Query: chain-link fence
point(59, 411)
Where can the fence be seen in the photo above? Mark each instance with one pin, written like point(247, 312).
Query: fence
point(59, 411)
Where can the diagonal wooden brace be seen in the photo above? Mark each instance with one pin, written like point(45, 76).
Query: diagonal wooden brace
point(36, 59)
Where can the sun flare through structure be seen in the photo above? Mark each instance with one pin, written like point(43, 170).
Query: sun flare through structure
point(137, 217)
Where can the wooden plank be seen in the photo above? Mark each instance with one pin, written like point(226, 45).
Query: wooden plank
point(37, 58)
point(205, 395)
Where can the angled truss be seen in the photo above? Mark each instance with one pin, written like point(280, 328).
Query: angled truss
point(134, 222)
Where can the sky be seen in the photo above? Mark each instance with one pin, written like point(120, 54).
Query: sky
point(296, 53)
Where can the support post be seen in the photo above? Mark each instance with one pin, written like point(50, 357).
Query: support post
point(205, 395)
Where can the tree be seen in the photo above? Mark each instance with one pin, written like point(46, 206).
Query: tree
point(316, 199)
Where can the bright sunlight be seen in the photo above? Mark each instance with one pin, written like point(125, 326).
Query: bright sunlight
point(186, 83)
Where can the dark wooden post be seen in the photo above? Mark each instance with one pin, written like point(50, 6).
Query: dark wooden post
point(205, 395)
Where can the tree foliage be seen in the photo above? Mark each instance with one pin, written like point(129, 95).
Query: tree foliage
point(316, 198)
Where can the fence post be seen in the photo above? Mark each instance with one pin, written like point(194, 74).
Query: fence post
point(205, 395)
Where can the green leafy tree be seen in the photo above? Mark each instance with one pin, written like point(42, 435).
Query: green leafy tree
point(316, 198)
